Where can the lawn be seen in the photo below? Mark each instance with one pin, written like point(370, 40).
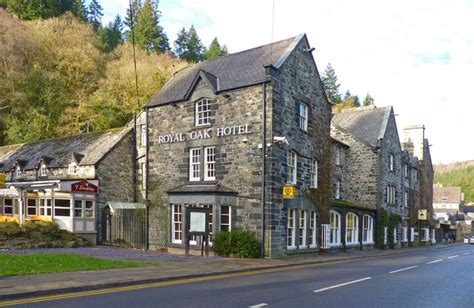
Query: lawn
point(31, 264)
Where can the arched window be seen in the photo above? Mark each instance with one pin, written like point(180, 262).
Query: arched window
point(352, 228)
point(367, 229)
point(334, 228)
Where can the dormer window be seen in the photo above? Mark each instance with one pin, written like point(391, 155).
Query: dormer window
point(43, 170)
point(72, 168)
point(18, 171)
point(203, 112)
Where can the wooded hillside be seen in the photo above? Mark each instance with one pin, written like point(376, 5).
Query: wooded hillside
point(457, 174)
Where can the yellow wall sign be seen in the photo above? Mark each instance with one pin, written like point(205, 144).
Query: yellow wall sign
point(422, 214)
point(2, 181)
point(289, 192)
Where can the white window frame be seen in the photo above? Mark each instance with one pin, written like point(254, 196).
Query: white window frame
point(227, 224)
point(395, 239)
point(334, 228)
point(312, 229)
point(338, 189)
point(302, 229)
point(177, 223)
point(194, 164)
point(209, 163)
point(43, 170)
point(143, 134)
point(314, 173)
point(352, 228)
point(62, 207)
point(18, 171)
point(203, 112)
point(28, 207)
point(291, 229)
point(72, 168)
point(10, 206)
point(338, 155)
point(391, 192)
point(405, 198)
point(303, 116)
point(292, 162)
point(404, 234)
point(367, 229)
point(392, 162)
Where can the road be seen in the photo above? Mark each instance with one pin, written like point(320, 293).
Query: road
point(435, 278)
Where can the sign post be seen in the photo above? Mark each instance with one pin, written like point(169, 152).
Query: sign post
point(197, 222)
point(422, 215)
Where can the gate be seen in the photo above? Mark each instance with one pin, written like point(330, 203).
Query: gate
point(125, 225)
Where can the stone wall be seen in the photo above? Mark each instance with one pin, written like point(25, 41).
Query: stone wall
point(237, 163)
point(115, 174)
point(298, 81)
point(362, 171)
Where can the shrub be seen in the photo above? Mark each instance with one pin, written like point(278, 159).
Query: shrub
point(10, 230)
point(239, 243)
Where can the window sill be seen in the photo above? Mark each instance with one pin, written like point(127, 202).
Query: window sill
point(352, 244)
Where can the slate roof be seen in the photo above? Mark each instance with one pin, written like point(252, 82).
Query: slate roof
point(233, 71)
point(86, 149)
point(366, 124)
point(446, 194)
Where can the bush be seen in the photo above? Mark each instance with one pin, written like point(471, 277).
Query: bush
point(238, 243)
point(37, 234)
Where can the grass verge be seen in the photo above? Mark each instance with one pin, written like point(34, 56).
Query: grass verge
point(46, 263)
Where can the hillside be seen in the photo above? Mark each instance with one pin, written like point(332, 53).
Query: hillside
point(457, 174)
point(56, 79)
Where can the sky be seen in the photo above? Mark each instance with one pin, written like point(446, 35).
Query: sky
point(416, 55)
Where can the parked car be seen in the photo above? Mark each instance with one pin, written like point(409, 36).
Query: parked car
point(471, 240)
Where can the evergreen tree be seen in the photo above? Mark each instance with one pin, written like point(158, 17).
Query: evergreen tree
point(180, 44)
point(80, 10)
point(131, 17)
point(146, 28)
point(95, 14)
point(368, 100)
point(195, 46)
point(34, 9)
point(215, 50)
point(188, 45)
point(330, 84)
point(111, 35)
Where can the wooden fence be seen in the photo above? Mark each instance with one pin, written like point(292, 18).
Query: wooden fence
point(126, 228)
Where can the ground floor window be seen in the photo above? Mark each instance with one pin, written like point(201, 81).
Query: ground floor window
point(352, 228)
point(312, 229)
point(334, 228)
point(83, 208)
point(368, 229)
point(31, 207)
point(45, 207)
point(62, 207)
point(226, 218)
point(302, 230)
point(8, 206)
point(176, 223)
point(291, 234)
point(404, 234)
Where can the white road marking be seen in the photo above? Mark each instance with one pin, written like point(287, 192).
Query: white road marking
point(342, 284)
point(455, 256)
point(435, 261)
point(466, 253)
point(259, 305)
point(403, 269)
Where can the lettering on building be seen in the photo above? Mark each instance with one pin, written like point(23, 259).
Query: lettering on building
point(205, 134)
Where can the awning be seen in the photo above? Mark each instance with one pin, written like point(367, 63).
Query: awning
point(9, 193)
point(125, 205)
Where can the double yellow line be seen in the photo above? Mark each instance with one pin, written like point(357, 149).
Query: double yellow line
point(153, 285)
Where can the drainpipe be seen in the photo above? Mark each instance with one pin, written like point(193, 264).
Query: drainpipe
point(264, 169)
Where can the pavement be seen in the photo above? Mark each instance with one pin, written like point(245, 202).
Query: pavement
point(169, 267)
